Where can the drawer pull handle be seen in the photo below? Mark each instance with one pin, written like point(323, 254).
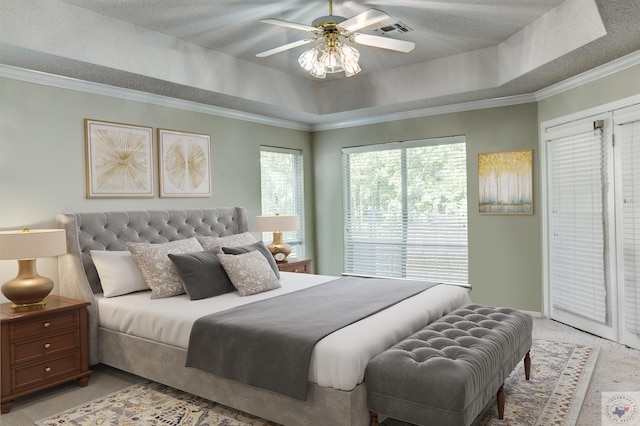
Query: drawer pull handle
point(47, 345)
point(48, 369)
point(46, 324)
point(295, 270)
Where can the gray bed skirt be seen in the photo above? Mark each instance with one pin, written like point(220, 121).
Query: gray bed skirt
point(324, 406)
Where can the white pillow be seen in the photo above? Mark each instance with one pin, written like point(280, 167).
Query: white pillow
point(119, 274)
point(250, 272)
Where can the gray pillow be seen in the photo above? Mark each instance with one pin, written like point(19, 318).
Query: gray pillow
point(259, 246)
point(249, 272)
point(202, 274)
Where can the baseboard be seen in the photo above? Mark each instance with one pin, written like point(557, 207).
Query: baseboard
point(534, 314)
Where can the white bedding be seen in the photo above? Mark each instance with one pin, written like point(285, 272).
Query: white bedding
point(339, 360)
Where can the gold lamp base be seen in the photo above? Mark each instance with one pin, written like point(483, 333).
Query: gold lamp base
point(278, 248)
point(28, 289)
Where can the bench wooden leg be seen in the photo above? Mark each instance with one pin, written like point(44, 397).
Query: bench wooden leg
point(374, 419)
point(501, 397)
point(527, 366)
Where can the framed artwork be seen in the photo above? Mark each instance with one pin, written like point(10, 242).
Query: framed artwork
point(118, 159)
point(505, 182)
point(185, 164)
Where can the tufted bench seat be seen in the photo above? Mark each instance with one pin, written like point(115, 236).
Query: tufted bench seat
point(446, 373)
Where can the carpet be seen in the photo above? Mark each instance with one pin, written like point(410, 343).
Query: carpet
point(560, 375)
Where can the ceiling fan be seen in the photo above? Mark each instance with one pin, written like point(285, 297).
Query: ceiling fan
point(332, 54)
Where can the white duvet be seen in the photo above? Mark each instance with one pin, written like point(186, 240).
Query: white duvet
point(339, 360)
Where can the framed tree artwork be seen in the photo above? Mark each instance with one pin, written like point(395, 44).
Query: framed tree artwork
point(118, 160)
point(185, 164)
point(505, 182)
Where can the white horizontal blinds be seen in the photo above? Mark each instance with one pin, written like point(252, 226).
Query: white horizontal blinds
point(577, 256)
point(406, 210)
point(281, 173)
point(628, 141)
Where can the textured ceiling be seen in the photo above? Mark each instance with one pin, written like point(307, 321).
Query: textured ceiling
point(204, 50)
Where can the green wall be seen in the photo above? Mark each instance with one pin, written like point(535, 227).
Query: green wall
point(42, 168)
point(504, 251)
point(610, 88)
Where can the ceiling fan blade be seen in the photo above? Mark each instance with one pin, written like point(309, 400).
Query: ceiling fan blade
point(285, 47)
point(364, 19)
point(288, 24)
point(383, 42)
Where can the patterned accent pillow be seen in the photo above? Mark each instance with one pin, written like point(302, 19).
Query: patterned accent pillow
point(156, 267)
point(259, 245)
point(249, 272)
point(242, 239)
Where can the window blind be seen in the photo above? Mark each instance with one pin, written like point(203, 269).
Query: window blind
point(282, 191)
point(405, 210)
point(576, 177)
point(629, 144)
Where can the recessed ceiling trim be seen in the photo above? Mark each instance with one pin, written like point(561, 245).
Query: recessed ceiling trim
point(134, 95)
point(37, 77)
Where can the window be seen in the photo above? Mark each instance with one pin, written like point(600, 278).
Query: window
point(282, 191)
point(406, 210)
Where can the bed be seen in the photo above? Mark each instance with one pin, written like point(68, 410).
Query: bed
point(149, 337)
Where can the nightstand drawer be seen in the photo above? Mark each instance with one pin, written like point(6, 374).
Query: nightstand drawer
point(46, 370)
point(45, 325)
point(49, 345)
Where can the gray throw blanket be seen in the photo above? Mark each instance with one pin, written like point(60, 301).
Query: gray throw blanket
point(269, 343)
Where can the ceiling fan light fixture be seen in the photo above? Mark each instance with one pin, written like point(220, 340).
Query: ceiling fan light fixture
point(330, 58)
point(350, 58)
point(310, 63)
point(331, 54)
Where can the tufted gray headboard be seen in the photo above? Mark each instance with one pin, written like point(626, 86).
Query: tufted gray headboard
point(112, 230)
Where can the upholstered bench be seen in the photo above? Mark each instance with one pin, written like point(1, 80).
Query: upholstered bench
point(446, 373)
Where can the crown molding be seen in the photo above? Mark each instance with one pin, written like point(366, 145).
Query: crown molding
point(589, 76)
point(426, 112)
point(62, 82)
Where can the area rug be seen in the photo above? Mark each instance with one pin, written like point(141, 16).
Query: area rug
point(560, 375)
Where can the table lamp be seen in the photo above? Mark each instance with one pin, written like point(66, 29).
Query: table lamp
point(28, 289)
point(278, 224)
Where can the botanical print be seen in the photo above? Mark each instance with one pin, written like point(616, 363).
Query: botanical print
point(505, 182)
point(184, 164)
point(118, 160)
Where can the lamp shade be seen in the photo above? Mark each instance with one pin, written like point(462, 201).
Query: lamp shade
point(277, 223)
point(32, 243)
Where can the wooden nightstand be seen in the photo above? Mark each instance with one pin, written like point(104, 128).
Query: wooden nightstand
point(302, 266)
point(42, 348)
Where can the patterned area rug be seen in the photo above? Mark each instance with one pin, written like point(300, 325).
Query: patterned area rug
point(560, 375)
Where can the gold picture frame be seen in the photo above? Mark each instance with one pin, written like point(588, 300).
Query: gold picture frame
point(118, 160)
point(184, 164)
point(505, 182)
